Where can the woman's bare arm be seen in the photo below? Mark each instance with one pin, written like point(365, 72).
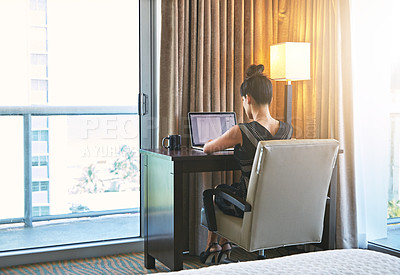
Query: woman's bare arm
point(229, 139)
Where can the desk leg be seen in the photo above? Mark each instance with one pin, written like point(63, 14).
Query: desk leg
point(149, 261)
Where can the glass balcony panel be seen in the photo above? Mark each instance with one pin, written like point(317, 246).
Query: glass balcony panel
point(11, 168)
point(93, 164)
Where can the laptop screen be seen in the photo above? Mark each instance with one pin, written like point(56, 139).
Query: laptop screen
point(205, 126)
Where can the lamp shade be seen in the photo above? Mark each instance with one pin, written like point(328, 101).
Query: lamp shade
point(290, 61)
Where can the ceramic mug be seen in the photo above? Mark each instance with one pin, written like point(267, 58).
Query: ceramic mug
point(174, 142)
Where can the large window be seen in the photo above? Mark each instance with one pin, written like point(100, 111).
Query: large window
point(375, 58)
point(394, 184)
point(69, 110)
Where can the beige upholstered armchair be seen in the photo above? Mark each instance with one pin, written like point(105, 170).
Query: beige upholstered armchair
point(286, 197)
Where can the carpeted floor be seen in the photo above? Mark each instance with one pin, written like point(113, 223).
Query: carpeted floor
point(131, 263)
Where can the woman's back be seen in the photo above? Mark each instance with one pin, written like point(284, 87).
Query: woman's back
point(252, 133)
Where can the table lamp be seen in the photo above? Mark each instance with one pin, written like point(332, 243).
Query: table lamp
point(290, 61)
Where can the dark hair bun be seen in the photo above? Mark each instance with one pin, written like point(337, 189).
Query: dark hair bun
point(254, 70)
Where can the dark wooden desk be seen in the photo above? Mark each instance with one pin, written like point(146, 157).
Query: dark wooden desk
point(162, 179)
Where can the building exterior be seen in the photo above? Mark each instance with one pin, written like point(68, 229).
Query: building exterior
point(38, 74)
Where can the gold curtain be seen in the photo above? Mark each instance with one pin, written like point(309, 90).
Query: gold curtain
point(206, 46)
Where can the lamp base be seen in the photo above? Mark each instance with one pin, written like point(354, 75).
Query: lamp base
point(288, 103)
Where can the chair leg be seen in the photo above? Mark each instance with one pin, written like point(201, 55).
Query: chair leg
point(261, 254)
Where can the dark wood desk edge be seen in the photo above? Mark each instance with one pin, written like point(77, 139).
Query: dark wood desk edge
point(186, 154)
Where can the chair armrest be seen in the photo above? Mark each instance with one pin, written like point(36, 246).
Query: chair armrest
point(209, 209)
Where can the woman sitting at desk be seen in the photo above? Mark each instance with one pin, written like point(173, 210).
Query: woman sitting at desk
point(256, 92)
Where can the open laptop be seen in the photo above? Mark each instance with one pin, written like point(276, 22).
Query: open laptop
point(209, 125)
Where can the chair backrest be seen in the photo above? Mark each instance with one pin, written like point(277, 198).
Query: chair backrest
point(287, 190)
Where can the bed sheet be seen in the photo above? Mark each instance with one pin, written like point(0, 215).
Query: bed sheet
point(339, 261)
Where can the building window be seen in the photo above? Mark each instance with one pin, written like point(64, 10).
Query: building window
point(39, 85)
point(39, 59)
point(41, 211)
point(40, 186)
point(40, 160)
point(40, 135)
point(38, 5)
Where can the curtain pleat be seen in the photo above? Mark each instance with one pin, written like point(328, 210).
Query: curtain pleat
point(206, 47)
point(238, 30)
point(248, 43)
point(193, 50)
point(207, 92)
point(222, 52)
point(167, 78)
point(347, 215)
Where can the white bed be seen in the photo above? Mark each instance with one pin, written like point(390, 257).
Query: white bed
point(340, 261)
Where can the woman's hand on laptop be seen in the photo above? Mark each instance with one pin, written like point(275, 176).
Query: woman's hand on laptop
point(229, 139)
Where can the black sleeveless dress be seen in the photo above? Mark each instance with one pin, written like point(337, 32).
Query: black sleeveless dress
point(252, 133)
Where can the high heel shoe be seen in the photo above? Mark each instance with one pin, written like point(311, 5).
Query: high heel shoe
point(225, 254)
point(208, 257)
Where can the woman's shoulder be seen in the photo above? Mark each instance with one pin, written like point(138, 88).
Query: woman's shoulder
point(283, 124)
point(253, 125)
point(285, 130)
point(247, 124)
